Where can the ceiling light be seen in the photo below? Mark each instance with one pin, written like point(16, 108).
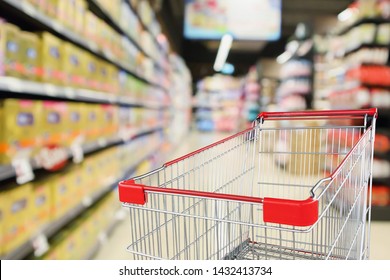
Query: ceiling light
point(223, 51)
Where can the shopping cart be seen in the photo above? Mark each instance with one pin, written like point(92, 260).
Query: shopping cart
point(296, 185)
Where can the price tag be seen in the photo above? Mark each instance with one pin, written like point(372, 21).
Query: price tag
point(23, 170)
point(15, 85)
point(102, 142)
point(102, 237)
point(87, 201)
point(69, 93)
point(40, 245)
point(28, 9)
point(50, 90)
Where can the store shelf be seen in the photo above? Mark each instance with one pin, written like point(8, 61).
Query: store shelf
point(364, 46)
point(100, 11)
point(375, 20)
point(8, 171)
point(52, 228)
point(25, 87)
point(144, 26)
point(37, 18)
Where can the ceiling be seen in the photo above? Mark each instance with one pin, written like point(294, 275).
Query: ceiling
point(200, 55)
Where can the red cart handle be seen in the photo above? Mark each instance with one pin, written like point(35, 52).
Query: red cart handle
point(275, 210)
point(323, 113)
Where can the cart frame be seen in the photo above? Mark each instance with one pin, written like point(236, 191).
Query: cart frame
point(340, 191)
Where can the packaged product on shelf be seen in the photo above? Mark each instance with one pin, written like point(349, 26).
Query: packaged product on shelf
point(91, 71)
point(54, 125)
point(71, 65)
point(30, 48)
point(112, 79)
point(19, 128)
point(91, 26)
point(383, 34)
point(108, 119)
point(91, 175)
point(51, 59)
point(10, 49)
point(63, 199)
point(80, 10)
point(76, 182)
point(16, 216)
point(380, 195)
point(90, 123)
point(41, 203)
point(75, 127)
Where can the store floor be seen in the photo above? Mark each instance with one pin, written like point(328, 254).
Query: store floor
point(114, 246)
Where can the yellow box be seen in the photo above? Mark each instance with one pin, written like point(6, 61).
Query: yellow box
point(41, 203)
point(30, 48)
point(62, 195)
point(51, 59)
point(91, 26)
point(54, 126)
point(11, 50)
point(19, 124)
point(92, 122)
point(80, 11)
point(108, 119)
point(71, 65)
point(92, 72)
point(16, 216)
point(74, 123)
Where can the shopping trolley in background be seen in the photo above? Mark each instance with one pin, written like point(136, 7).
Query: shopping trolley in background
point(297, 185)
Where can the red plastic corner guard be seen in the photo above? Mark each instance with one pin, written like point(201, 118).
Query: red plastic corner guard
point(130, 192)
point(290, 212)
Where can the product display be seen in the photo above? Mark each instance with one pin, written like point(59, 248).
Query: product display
point(86, 103)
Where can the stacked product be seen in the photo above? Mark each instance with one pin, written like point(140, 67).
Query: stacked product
point(91, 87)
point(357, 75)
point(219, 104)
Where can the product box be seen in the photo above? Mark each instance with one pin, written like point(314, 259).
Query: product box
point(51, 59)
point(30, 48)
point(53, 123)
point(91, 174)
point(19, 127)
point(79, 16)
point(62, 195)
point(41, 203)
point(10, 50)
point(90, 122)
point(91, 26)
point(91, 71)
point(108, 119)
point(17, 215)
point(71, 65)
point(76, 184)
point(74, 129)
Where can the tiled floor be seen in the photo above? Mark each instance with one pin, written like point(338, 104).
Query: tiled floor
point(115, 246)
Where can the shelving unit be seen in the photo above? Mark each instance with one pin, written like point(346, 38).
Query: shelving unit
point(355, 68)
point(295, 90)
point(158, 104)
point(218, 103)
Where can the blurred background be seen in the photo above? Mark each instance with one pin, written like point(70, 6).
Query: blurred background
point(96, 91)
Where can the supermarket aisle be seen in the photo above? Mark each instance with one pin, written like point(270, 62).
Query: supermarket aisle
point(115, 246)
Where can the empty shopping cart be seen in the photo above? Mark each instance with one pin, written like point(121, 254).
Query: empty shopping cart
point(296, 185)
